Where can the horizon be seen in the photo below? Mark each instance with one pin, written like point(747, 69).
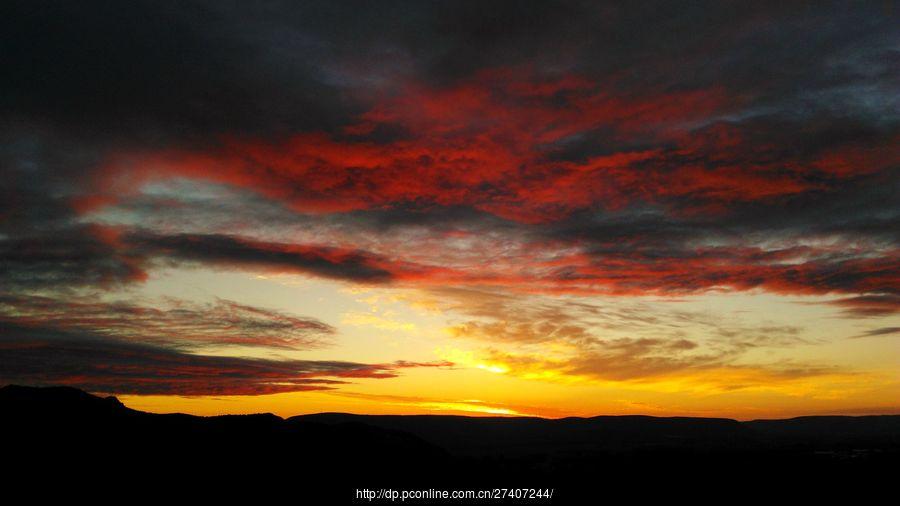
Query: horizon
point(548, 209)
point(455, 415)
point(167, 404)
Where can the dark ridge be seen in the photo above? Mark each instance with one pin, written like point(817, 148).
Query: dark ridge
point(70, 424)
point(831, 427)
point(526, 435)
point(60, 398)
point(73, 438)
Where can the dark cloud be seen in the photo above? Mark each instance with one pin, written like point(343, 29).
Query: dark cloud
point(48, 356)
point(238, 252)
point(77, 256)
point(152, 73)
point(42, 242)
point(201, 68)
point(883, 331)
point(868, 306)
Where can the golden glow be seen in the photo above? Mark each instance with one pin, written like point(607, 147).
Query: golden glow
point(824, 370)
point(377, 322)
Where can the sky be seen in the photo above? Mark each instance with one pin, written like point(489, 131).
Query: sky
point(483, 208)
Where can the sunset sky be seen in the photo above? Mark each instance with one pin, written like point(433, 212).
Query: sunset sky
point(508, 208)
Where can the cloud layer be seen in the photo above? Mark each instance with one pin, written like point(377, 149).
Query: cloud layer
point(46, 355)
point(172, 322)
point(521, 149)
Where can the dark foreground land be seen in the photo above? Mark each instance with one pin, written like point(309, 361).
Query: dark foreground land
point(63, 443)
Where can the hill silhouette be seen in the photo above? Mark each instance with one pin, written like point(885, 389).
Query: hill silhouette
point(76, 440)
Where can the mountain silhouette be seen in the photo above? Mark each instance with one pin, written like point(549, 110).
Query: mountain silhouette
point(75, 441)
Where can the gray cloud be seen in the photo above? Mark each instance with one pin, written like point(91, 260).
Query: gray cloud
point(883, 331)
point(621, 341)
point(219, 249)
point(172, 322)
point(869, 305)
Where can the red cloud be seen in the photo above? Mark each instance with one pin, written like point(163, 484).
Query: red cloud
point(488, 142)
point(483, 143)
point(501, 142)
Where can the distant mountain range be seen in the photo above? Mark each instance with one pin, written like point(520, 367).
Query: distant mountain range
point(78, 439)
